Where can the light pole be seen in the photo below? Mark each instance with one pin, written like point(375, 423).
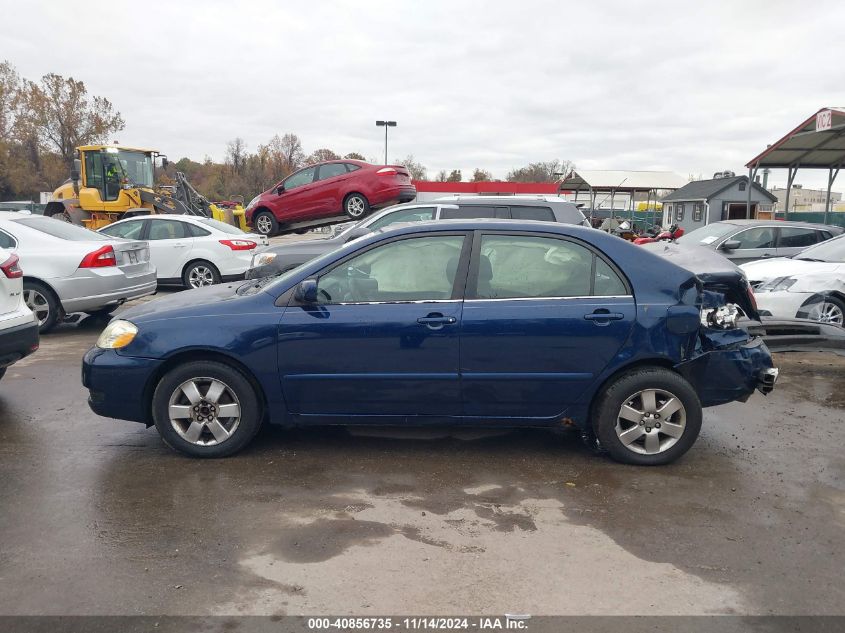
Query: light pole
point(385, 125)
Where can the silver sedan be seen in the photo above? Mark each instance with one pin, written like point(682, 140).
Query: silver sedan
point(70, 269)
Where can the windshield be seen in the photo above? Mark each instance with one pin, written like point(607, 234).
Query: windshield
point(221, 226)
point(62, 230)
point(829, 251)
point(707, 234)
point(135, 167)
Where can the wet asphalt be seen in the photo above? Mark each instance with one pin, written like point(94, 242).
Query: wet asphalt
point(98, 516)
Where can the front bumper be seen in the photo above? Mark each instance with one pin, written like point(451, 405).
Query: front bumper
point(733, 373)
point(782, 304)
point(118, 385)
point(18, 342)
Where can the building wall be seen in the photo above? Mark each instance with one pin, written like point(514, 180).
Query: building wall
point(801, 199)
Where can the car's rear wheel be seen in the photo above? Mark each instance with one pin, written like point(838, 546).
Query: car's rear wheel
point(206, 409)
point(828, 310)
point(200, 274)
point(648, 417)
point(265, 223)
point(356, 206)
point(43, 303)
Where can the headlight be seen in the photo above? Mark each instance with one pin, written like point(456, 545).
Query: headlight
point(778, 284)
point(253, 201)
point(722, 318)
point(117, 334)
point(262, 259)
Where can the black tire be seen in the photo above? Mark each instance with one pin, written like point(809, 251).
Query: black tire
point(830, 310)
point(356, 206)
point(2, 372)
point(169, 387)
point(265, 223)
point(43, 301)
point(199, 274)
point(626, 389)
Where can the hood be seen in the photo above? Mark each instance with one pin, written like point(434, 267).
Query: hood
point(715, 272)
point(203, 301)
point(767, 269)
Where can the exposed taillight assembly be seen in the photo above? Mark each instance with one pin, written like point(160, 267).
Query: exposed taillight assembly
point(239, 245)
point(101, 258)
point(752, 297)
point(387, 171)
point(11, 268)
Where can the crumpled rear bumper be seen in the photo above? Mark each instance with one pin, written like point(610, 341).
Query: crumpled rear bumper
point(732, 373)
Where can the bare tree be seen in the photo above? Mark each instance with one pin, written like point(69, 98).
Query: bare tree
point(416, 169)
point(286, 154)
point(65, 116)
point(442, 176)
point(481, 175)
point(544, 171)
point(236, 154)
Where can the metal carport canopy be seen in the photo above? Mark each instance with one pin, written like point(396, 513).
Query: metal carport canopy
point(817, 143)
point(621, 180)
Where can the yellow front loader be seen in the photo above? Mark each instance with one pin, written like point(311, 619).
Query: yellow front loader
point(109, 183)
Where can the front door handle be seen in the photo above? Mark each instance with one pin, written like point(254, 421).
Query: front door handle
point(435, 321)
point(598, 316)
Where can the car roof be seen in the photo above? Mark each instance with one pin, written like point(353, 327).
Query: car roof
point(522, 199)
point(809, 225)
point(496, 224)
point(164, 216)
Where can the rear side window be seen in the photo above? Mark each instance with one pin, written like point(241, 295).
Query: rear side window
point(472, 211)
point(7, 241)
point(197, 231)
point(792, 237)
point(521, 266)
point(544, 214)
point(61, 230)
point(417, 214)
point(352, 167)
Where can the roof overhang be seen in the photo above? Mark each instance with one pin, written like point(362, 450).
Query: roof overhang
point(622, 181)
point(817, 143)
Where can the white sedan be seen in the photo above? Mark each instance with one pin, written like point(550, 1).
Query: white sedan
point(809, 285)
point(189, 250)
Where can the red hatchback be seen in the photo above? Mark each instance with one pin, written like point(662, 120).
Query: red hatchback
point(326, 193)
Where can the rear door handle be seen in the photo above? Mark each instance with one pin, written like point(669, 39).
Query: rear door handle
point(604, 316)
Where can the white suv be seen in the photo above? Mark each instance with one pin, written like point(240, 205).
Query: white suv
point(18, 327)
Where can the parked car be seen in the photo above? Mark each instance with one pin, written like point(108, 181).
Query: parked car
point(189, 250)
point(810, 285)
point(18, 327)
point(71, 269)
point(488, 323)
point(279, 259)
point(321, 194)
point(747, 240)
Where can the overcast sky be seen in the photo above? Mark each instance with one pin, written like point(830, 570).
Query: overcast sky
point(692, 87)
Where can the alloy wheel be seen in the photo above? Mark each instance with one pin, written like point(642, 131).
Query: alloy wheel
point(200, 276)
point(204, 411)
point(264, 225)
point(651, 421)
point(39, 305)
point(355, 207)
point(827, 312)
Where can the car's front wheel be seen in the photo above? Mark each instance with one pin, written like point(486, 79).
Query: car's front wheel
point(356, 206)
point(828, 310)
point(206, 409)
point(649, 416)
point(265, 223)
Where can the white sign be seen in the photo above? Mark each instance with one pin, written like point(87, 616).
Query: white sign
point(824, 120)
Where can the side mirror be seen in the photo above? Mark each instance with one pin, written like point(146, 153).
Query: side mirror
point(358, 231)
point(76, 169)
point(730, 245)
point(280, 190)
point(306, 292)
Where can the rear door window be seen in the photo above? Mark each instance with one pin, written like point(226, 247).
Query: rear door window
point(472, 211)
point(167, 230)
point(331, 170)
point(544, 214)
point(795, 237)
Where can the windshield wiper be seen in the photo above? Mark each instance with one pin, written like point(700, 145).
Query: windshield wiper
point(809, 259)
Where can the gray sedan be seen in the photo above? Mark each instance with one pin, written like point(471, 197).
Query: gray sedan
point(70, 269)
point(748, 240)
point(280, 259)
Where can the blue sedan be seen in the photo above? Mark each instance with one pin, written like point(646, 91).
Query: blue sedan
point(484, 323)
